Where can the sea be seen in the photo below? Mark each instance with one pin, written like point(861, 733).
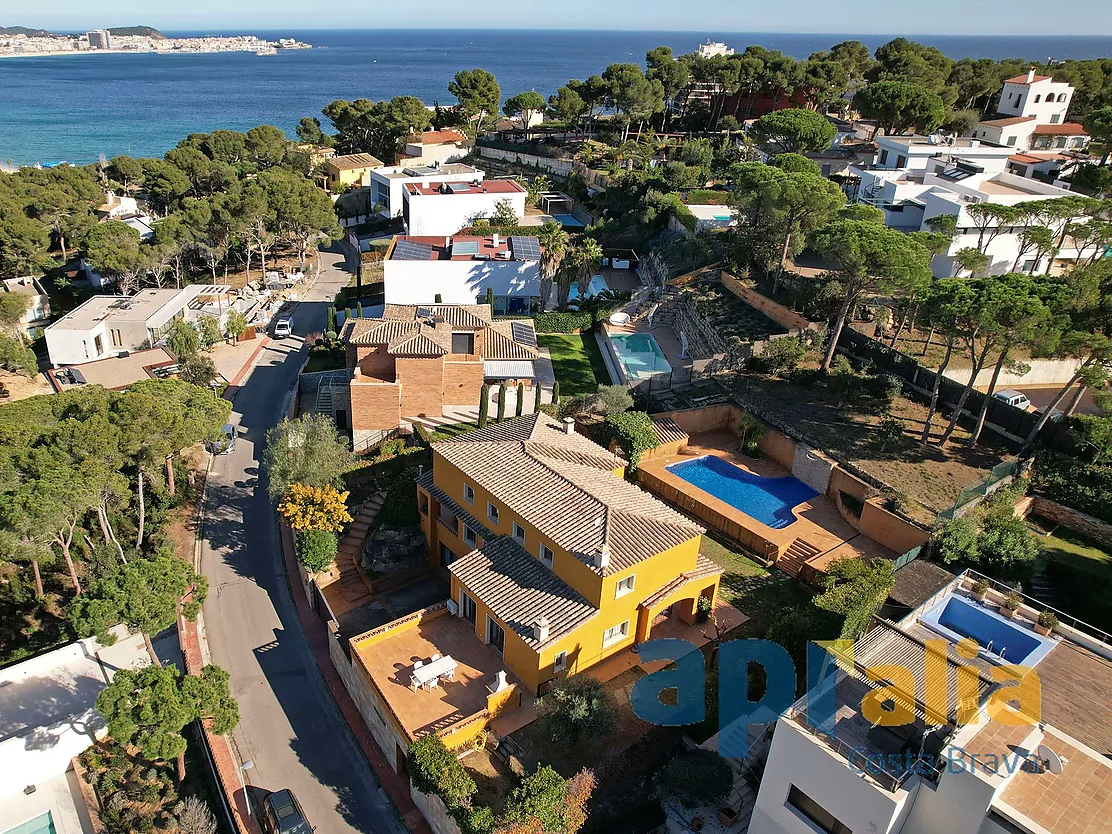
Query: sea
point(77, 108)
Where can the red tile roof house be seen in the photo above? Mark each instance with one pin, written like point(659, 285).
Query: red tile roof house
point(448, 145)
point(416, 361)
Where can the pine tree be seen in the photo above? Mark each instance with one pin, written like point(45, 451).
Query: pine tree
point(484, 405)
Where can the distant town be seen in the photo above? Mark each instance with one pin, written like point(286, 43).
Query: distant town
point(17, 41)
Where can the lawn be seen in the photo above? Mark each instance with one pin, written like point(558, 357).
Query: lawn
point(751, 589)
point(1082, 575)
point(452, 430)
point(576, 361)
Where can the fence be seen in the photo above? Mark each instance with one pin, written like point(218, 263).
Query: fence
point(907, 558)
point(974, 494)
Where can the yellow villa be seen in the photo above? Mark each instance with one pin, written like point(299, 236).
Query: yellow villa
point(556, 561)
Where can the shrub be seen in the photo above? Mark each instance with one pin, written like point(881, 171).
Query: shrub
point(1047, 619)
point(540, 796)
point(856, 588)
point(315, 508)
point(433, 769)
point(958, 541)
point(519, 406)
point(501, 403)
point(1007, 546)
point(614, 399)
point(1082, 486)
point(697, 777)
point(889, 432)
point(634, 433)
point(316, 549)
point(1012, 601)
point(782, 356)
point(399, 507)
point(980, 587)
point(562, 322)
point(578, 707)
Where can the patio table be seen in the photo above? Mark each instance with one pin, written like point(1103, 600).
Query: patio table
point(430, 673)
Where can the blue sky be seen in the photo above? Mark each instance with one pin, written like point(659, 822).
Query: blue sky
point(950, 17)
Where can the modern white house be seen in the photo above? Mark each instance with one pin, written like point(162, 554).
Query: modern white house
point(922, 732)
point(387, 183)
point(108, 325)
point(1032, 115)
point(126, 210)
point(460, 270)
point(712, 49)
point(430, 146)
point(37, 314)
point(447, 207)
point(948, 179)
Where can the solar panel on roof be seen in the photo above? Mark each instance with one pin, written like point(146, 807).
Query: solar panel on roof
point(523, 334)
point(526, 248)
point(465, 247)
point(408, 250)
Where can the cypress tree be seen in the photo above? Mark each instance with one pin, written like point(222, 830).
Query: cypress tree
point(537, 398)
point(501, 403)
point(359, 309)
point(484, 405)
point(490, 297)
point(556, 392)
point(519, 408)
point(331, 326)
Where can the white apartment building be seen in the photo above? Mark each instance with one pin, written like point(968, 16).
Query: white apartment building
point(712, 49)
point(916, 179)
point(109, 325)
point(460, 270)
point(1032, 115)
point(447, 207)
point(387, 184)
point(958, 758)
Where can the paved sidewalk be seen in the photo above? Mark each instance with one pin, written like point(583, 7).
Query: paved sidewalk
point(396, 785)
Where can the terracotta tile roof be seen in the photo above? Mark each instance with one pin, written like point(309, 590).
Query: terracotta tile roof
point(1022, 79)
point(1064, 129)
point(1008, 122)
point(404, 338)
point(520, 590)
point(503, 343)
point(668, 430)
point(353, 162)
point(564, 485)
point(704, 567)
point(405, 331)
point(437, 137)
point(1025, 159)
point(473, 316)
point(425, 342)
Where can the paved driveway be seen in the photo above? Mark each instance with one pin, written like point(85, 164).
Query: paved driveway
point(289, 726)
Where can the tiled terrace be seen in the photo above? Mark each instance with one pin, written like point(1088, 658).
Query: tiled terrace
point(390, 664)
point(818, 522)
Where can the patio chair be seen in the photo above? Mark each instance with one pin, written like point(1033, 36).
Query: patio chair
point(434, 658)
point(418, 664)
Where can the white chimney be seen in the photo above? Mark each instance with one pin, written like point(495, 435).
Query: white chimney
point(495, 243)
point(500, 682)
point(569, 425)
point(541, 629)
point(447, 241)
point(602, 557)
point(1031, 75)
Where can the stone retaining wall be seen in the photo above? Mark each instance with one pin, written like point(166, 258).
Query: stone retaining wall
point(1086, 525)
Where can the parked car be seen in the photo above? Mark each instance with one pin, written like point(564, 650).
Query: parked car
point(282, 814)
point(283, 328)
point(1013, 397)
point(225, 444)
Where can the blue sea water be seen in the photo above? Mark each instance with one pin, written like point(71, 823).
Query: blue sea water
point(768, 500)
point(77, 107)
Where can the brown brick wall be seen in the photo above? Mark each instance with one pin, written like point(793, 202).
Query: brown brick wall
point(462, 382)
point(375, 406)
point(422, 382)
point(373, 362)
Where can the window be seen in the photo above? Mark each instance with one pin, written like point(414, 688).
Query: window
point(492, 512)
point(98, 344)
point(624, 586)
point(547, 555)
point(560, 663)
point(1061, 96)
point(463, 343)
point(1054, 119)
point(469, 494)
point(616, 633)
point(883, 157)
point(496, 636)
point(901, 161)
point(1011, 141)
point(467, 607)
point(469, 535)
point(1038, 98)
point(519, 533)
point(814, 813)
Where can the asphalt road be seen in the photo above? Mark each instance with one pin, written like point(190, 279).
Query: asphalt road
point(1043, 396)
point(289, 725)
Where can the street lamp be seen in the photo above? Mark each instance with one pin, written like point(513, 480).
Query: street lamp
point(247, 765)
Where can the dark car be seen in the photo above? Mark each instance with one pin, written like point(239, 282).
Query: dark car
point(282, 814)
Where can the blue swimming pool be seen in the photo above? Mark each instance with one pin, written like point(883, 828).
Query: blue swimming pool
point(568, 221)
point(43, 824)
point(598, 284)
point(1001, 640)
point(639, 354)
point(768, 500)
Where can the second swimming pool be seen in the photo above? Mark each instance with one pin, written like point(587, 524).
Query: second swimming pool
point(768, 500)
point(640, 355)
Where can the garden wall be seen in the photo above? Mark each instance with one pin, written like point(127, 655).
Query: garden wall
point(1086, 525)
point(777, 312)
point(559, 167)
point(889, 529)
point(435, 812)
point(1051, 372)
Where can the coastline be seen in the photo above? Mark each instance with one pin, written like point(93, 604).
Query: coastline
point(67, 53)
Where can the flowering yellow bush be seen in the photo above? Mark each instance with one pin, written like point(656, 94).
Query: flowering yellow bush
point(315, 508)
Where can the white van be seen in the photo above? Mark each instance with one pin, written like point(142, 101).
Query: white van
point(1013, 397)
point(283, 328)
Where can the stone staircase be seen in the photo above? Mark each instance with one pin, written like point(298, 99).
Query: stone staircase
point(742, 799)
point(353, 585)
point(799, 552)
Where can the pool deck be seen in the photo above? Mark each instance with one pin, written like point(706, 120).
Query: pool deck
point(665, 336)
point(818, 536)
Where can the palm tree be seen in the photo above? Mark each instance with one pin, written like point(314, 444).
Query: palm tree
point(554, 245)
point(587, 259)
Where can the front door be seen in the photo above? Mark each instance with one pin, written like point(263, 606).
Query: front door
point(496, 636)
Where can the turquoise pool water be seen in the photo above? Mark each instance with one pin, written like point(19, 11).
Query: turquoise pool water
point(597, 284)
point(768, 500)
point(567, 221)
point(39, 825)
point(1000, 640)
point(639, 354)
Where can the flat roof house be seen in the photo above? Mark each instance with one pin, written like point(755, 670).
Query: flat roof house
point(37, 314)
point(350, 171)
point(460, 269)
point(966, 753)
point(415, 361)
point(447, 145)
point(387, 183)
point(447, 207)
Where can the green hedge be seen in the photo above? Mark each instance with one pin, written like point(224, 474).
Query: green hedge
point(634, 433)
point(563, 322)
point(399, 508)
point(706, 197)
point(434, 770)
